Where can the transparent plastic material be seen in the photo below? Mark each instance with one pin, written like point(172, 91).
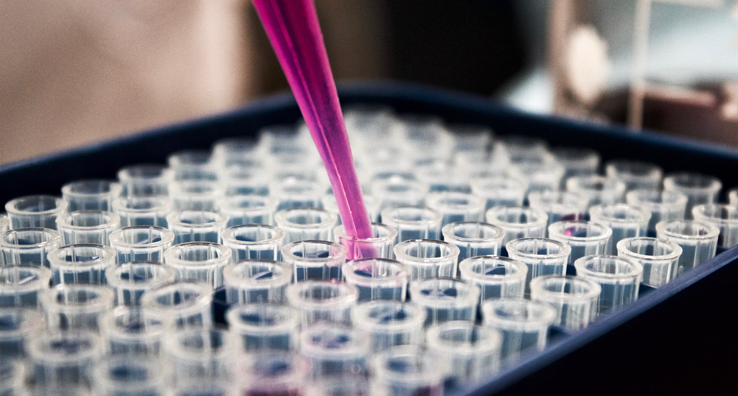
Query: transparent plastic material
point(583, 237)
point(542, 256)
point(130, 281)
point(19, 326)
point(441, 176)
point(61, 359)
point(244, 180)
point(618, 277)
point(143, 211)
point(21, 286)
point(659, 258)
point(456, 206)
point(597, 190)
point(577, 161)
point(445, 299)
point(397, 191)
point(733, 197)
point(258, 281)
point(540, 174)
point(473, 352)
point(271, 373)
point(330, 204)
point(724, 217)
point(518, 221)
point(4, 223)
point(141, 243)
point(428, 258)
point(91, 194)
point(196, 226)
point(390, 323)
point(75, 307)
point(663, 205)
point(87, 226)
point(559, 205)
point(699, 189)
point(200, 354)
point(322, 301)
point(408, 371)
point(521, 147)
point(12, 377)
point(264, 327)
point(523, 325)
point(335, 350)
point(294, 193)
point(302, 224)
point(379, 246)
point(377, 279)
point(134, 331)
point(192, 165)
point(145, 179)
point(500, 191)
point(35, 211)
point(234, 151)
point(474, 238)
point(575, 299)
point(81, 264)
point(189, 304)
point(425, 136)
point(253, 242)
point(343, 386)
point(413, 222)
point(625, 221)
point(199, 262)
point(129, 375)
point(28, 246)
point(250, 209)
point(496, 277)
point(196, 195)
point(635, 174)
point(314, 260)
point(697, 239)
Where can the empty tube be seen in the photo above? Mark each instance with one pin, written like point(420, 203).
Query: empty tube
point(234, 150)
point(199, 354)
point(413, 222)
point(345, 386)
point(663, 205)
point(4, 223)
point(244, 181)
point(64, 358)
point(424, 136)
point(75, 307)
point(495, 277)
point(397, 191)
point(390, 323)
point(542, 256)
point(130, 281)
point(28, 246)
point(699, 189)
point(271, 373)
point(409, 371)
point(574, 299)
point(20, 286)
point(143, 211)
point(625, 221)
point(523, 325)
point(377, 279)
point(540, 175)
point(724, 217)
point(335, 350)
point(91, 194)
point(445, 299)
point(440, 176)
point(129, 375)
point(500, 191)
point(658, 258)
point(472, 351)
point(35, 211)
point(456, 206)
point(428, 258)
point(87, 227)
point(250, 209)
point(468, 137)
point(733, 196)
point(329, 204)
point(199, 262)
point(196, 226)
point(264, 327)
point(13, 379)
point(518, 222)
point(20, 325)
point(192, 165)
point(141, 243)
point(301, 224)
point(635, 174)
point(258, 281)
point(597, 190)
point(314, 260)
point(145, 179)
point(322, 301)
point(295, 193)
point(379, 245)
point(253, 242)
point(196, 195)
point(697, 239)
point(81, 264)
point(618, 277)
point(559, 205)
point(583, 237)
point(577, 161)
point(474, 238)
point(134, 331)
point(522, 146)
point(189, 304)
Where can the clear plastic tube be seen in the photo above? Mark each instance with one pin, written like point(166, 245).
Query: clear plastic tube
point(575, 299)
point(583, 237)
point(518, 221)
point(196, 195)
point(20, 286)
point(258, 281)
point(733, 196)
point(234, 150)
point(130, 281)
point(314, 260)
point(724, 217)
point(202, 354)
point(659, 258)
point(456, 206)
point(699, 189)
point(469, 137)
point(496, 277)
point(35, 211)
point(577, 161)
point(445, 299)
point(141, 243)
point(330, 204)
point(540, 175)
point(522, 147)
point(697, 239)
point(20, 325)
point(129, 376)
point(145, 179)
point(91, 194)
point(249, 209)
point(500, 191)
point(472, 351)
point(635, 174)
point(377, 279)
point(322, 301)
point(625, 221)
point(390, 323)
point(65, 358)
point(397, 191)
point(271, 373)
point(413, 222)
point(618, 277)
point(253, 242)
point(343, 386)
point(4, 223)
point(559, 205)
point(424, 136)
point(143, 211)
point(474, 238)
point(443, 177)
point(663, 205)
point(295, 193)
point(239, 181)
point(379, 246)
point(189, 304)
point(28, 246)
point(523, 325)
point(81, 264)
point(87, 227)
point(199, 262)
point(192, 165)
point(13, 377)
point(75, 307)
point(196, 226)
point(408, 371)
point(302, 224)
point(264, 327)
point(542, 256)
point(134, 331)
point(428, 258)
point(597, 190)
point(335, 350)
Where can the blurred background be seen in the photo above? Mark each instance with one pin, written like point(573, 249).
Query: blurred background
point(75, 71)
